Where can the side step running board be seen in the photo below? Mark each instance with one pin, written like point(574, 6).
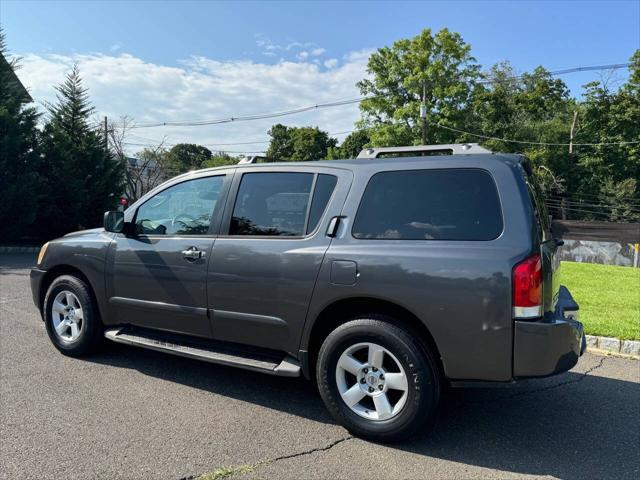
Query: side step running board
point(214, 352)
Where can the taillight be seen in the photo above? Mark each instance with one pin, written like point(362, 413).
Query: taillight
point(527, 288)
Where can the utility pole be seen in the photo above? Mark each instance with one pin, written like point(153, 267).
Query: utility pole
point(106, 134)
point(423, 113)
point(563, 200)
point(573, 130)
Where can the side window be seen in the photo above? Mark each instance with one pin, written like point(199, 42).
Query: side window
point(321, 196)
point(272, 204)
point(543, 225)
point(183, 209)
point(437, 204)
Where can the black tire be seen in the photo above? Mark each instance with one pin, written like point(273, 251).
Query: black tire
point(91, 332)
point(423, 378)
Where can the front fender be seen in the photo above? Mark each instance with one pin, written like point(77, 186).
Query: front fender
point(84, 252)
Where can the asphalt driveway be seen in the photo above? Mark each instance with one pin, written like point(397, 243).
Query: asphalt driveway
point(130, 413)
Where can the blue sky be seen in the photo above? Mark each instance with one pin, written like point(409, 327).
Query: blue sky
point(247, 57)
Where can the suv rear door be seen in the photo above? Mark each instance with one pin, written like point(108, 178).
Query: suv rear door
point(272, 243)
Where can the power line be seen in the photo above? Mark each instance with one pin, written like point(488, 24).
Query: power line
point(555, 203)
point(589, 212)
point(261, 142)
point(599, 195)
point(590, 209)
point(632, 201)
point(247, 118)
point(613, 66)
point(244, 118)
point(488, 137)
point(172, 145)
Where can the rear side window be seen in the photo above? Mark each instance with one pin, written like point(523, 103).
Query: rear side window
point(321, 195)
point(543, 224)
point(437, 204)
point(272, 204)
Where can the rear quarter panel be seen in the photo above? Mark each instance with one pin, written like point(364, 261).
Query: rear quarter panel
point(461, 290)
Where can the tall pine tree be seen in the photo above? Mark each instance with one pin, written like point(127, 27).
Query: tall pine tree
point(82, 178)
point(19, 156)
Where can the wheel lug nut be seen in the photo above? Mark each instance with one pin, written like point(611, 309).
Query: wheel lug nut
point(362, 380)
point(366, 370)
point(380, 387)
point(370, 389)
point(381, 377)
point(374, 369)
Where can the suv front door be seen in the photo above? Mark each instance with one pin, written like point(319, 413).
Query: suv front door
point(159, 271)
point(265, 266)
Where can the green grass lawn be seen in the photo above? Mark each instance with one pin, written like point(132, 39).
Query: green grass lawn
point(609, 298)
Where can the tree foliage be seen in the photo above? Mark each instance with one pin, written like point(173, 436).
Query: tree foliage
point(19, 154)
point(299, 143)
point(187, 156)
point(80, 178)
point(220, 159)
point(533, 111)
point(439, 67)
point(351, 146)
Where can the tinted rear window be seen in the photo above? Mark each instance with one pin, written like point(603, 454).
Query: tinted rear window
point(321, 195)
point(446, 204)
point(271, 204)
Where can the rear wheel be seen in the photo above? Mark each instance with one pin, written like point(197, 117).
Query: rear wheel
point(377, 380)
point(71, 317)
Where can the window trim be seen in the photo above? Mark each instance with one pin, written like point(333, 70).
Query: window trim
point(226, 220)
point(315, 182)
point(214, 218)
point(439, 169)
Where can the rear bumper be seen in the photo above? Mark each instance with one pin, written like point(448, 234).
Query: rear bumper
point(549, 346)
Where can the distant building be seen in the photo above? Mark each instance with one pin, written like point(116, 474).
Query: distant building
point(142, 176)
point(22, 91)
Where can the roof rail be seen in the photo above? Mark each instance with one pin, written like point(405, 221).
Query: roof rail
point(449, 149)
point(254, 159)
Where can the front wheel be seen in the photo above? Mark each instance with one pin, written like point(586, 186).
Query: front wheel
point(71, 316)
point(377, 380)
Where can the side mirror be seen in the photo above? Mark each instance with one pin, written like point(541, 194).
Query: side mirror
point(114, 221)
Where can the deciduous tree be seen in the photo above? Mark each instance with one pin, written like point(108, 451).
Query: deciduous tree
point(187, 156)
point(299, 143)
point(438, 67)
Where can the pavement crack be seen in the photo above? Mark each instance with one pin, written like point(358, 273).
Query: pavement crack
point(557, 385)
point(227, 472)
point(313, 450)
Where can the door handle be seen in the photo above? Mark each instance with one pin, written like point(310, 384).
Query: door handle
point(332, 229)
point(192, 253)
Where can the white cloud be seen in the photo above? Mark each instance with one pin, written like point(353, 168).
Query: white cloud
point(303, 50)
point(203, 88)
point(115, 47)
point(331, 63)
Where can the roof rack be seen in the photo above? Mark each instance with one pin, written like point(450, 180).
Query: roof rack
point(417, 150)
point(255, 159)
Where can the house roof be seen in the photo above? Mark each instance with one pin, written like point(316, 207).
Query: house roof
point(21, 88)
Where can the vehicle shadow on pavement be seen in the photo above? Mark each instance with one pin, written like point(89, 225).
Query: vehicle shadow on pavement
point(291, 395)
point(570, 426)
point(573, 426)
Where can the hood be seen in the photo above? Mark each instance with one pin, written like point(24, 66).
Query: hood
point(92, 232)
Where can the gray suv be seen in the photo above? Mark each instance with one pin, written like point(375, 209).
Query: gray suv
point(381, 279)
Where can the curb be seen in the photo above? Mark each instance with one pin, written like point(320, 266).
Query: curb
point(4, 249)
point(614, 345)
